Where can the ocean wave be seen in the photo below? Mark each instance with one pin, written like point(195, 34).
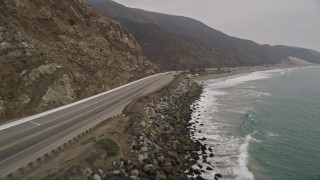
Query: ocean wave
point(243, 110)
point(256, 93)
point(239, 79)
point(242, 172)
point(271, 134)
point(230, 152)
point(225, 148)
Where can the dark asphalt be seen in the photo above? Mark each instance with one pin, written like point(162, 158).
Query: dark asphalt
point(19, 142)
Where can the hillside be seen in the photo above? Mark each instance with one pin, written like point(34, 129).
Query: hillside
point(293, 61)
point(54, 52)
point(178, 42)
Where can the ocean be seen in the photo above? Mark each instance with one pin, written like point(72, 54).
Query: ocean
point(263, 125)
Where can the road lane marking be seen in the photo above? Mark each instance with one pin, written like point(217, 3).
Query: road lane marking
point(129, 99)
point(5, 126)
point(35, 123)
point(41, 142)
point(86, 120)
point(83, 107)
point(73, 118)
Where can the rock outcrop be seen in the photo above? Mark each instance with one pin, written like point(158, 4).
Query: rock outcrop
point(53, 52)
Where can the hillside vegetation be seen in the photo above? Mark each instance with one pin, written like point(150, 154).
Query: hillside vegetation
point(54, 52)
point(176, 42)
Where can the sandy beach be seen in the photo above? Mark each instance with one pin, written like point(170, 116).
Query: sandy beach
point(240, 70)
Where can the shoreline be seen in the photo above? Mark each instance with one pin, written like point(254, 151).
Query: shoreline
point(242, 70)
point(205, 77)
point(151, 138)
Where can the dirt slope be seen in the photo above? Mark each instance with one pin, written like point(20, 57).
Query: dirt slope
point(54, 52)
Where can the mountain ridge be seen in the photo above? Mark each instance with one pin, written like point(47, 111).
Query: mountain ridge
point(211, 47)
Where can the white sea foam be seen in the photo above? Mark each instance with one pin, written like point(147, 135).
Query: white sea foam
point(242, 110)
point(238, 79)
point(271, 134)
point(220, 127)
point(256, 93)
point(242, 172)
point(225, 147)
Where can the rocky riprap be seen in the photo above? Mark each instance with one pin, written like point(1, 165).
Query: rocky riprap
point(161, 141)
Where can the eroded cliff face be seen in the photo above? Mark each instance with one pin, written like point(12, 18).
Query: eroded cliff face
point(54, 52)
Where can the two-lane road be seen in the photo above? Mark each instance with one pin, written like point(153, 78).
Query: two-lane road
point(25, 140)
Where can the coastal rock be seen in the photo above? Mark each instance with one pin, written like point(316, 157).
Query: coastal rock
point(160, 175)
point(141, 157)
point(203, 148)
point(96, 177)
point(144, 149)
point(199, 178)
point(218, 175)
point(134, 178)
point(209, 168)
point(162, 142)
point(151, 113)
point(149, 169)
point(197, 171)
point(135, 172)
point(143, 124)
point(161, 159)
point(87, 171)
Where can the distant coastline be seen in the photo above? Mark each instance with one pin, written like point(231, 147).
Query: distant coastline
point(225, 72)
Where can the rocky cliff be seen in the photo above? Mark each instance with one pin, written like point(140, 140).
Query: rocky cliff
point(176, 42)
point(54, 52)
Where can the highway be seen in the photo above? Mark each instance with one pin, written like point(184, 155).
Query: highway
point(25, 140)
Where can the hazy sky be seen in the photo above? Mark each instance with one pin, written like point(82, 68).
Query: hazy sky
point(287, 22)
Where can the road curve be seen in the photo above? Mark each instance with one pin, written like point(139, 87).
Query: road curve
point(24, 141)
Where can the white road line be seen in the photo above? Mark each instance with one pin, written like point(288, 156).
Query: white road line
point(35, 123)
point(68, 129)
point(8, 125)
